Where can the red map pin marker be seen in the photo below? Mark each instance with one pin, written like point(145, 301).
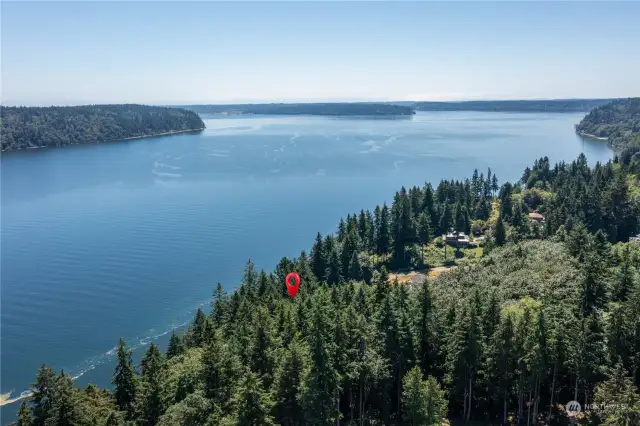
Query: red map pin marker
point(292, 289)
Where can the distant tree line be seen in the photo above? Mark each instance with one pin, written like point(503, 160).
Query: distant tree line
point(553, 105)
point(36, 127)
point(549, 314)
point(619, 122)
point(331, 109)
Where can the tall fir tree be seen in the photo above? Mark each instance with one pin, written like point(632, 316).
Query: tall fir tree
point(175, 346)
point(318, 258)
point(253, 403)
point(67, 407)
point(125, 380)
point(43, 397)
point(153, 398)
point(291, 376)
point(423, 401)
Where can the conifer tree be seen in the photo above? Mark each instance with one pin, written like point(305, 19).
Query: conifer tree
point(494, 184)
point(153, 399)
point(623, 281)
point(349, 248)
point(24, 415)
point(500, 234)
point(175, 346)
point(114, 420)
point(125, 380)
point(291, 376)
point(318, 258)
point(322, 387)
point(501, 363)
point(617, 399)
point(264, 344)
point(66, 406)
point(355, 269)
point(370, 231)
point(253, 403)
point(424, 228)
point(383, 235)
point(505, 201)
point(43, 397)
point(342, 230)
point(475, 184)
point(219, 306)
point(446, 219)
point(423, 402)
point(426, 331)
point(197, 334)
point(250, 277)
point(333, 273)
point(220, 370)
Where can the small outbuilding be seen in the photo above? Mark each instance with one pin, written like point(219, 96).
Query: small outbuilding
point(457, 239)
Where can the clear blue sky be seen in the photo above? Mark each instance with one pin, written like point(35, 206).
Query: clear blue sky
point(201, 52)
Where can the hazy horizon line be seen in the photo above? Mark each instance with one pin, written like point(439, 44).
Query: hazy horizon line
point(306, 101)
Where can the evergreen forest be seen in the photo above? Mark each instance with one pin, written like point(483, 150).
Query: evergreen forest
point(545, 312)
point(40, 127)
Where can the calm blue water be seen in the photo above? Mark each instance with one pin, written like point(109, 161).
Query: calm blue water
point(129, 239)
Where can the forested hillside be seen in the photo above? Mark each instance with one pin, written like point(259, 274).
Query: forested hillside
point(549, 313)
point(35, 127)
point(619, 122)
point(331, 109)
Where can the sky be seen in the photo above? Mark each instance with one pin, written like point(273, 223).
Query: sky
point(162, 52)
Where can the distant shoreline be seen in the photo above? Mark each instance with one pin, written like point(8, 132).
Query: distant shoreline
point(173, 132)
point(590, 136)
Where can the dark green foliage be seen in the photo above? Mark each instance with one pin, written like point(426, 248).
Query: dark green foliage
point(617, 399)
point(192, 411)
point(618, 121)
point(55, 401)
point(125, 380)
point(43, 399)
point(322, 386)
point(198, 330)
point(291, 377)
point(67, 409)
point(500, 234)
point(423, 403)
point(176, 347)
point(36, 127)
point(221, 370)
point(355, 269)
point(24, 415)
point(318, 258)
point(153, 398)
point(253, 403)
point(333, 272)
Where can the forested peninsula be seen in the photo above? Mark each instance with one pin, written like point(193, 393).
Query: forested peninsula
point(39, 127)
point(552, 105)
point(619, 123)
point(328, 109)
point(542, 307)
